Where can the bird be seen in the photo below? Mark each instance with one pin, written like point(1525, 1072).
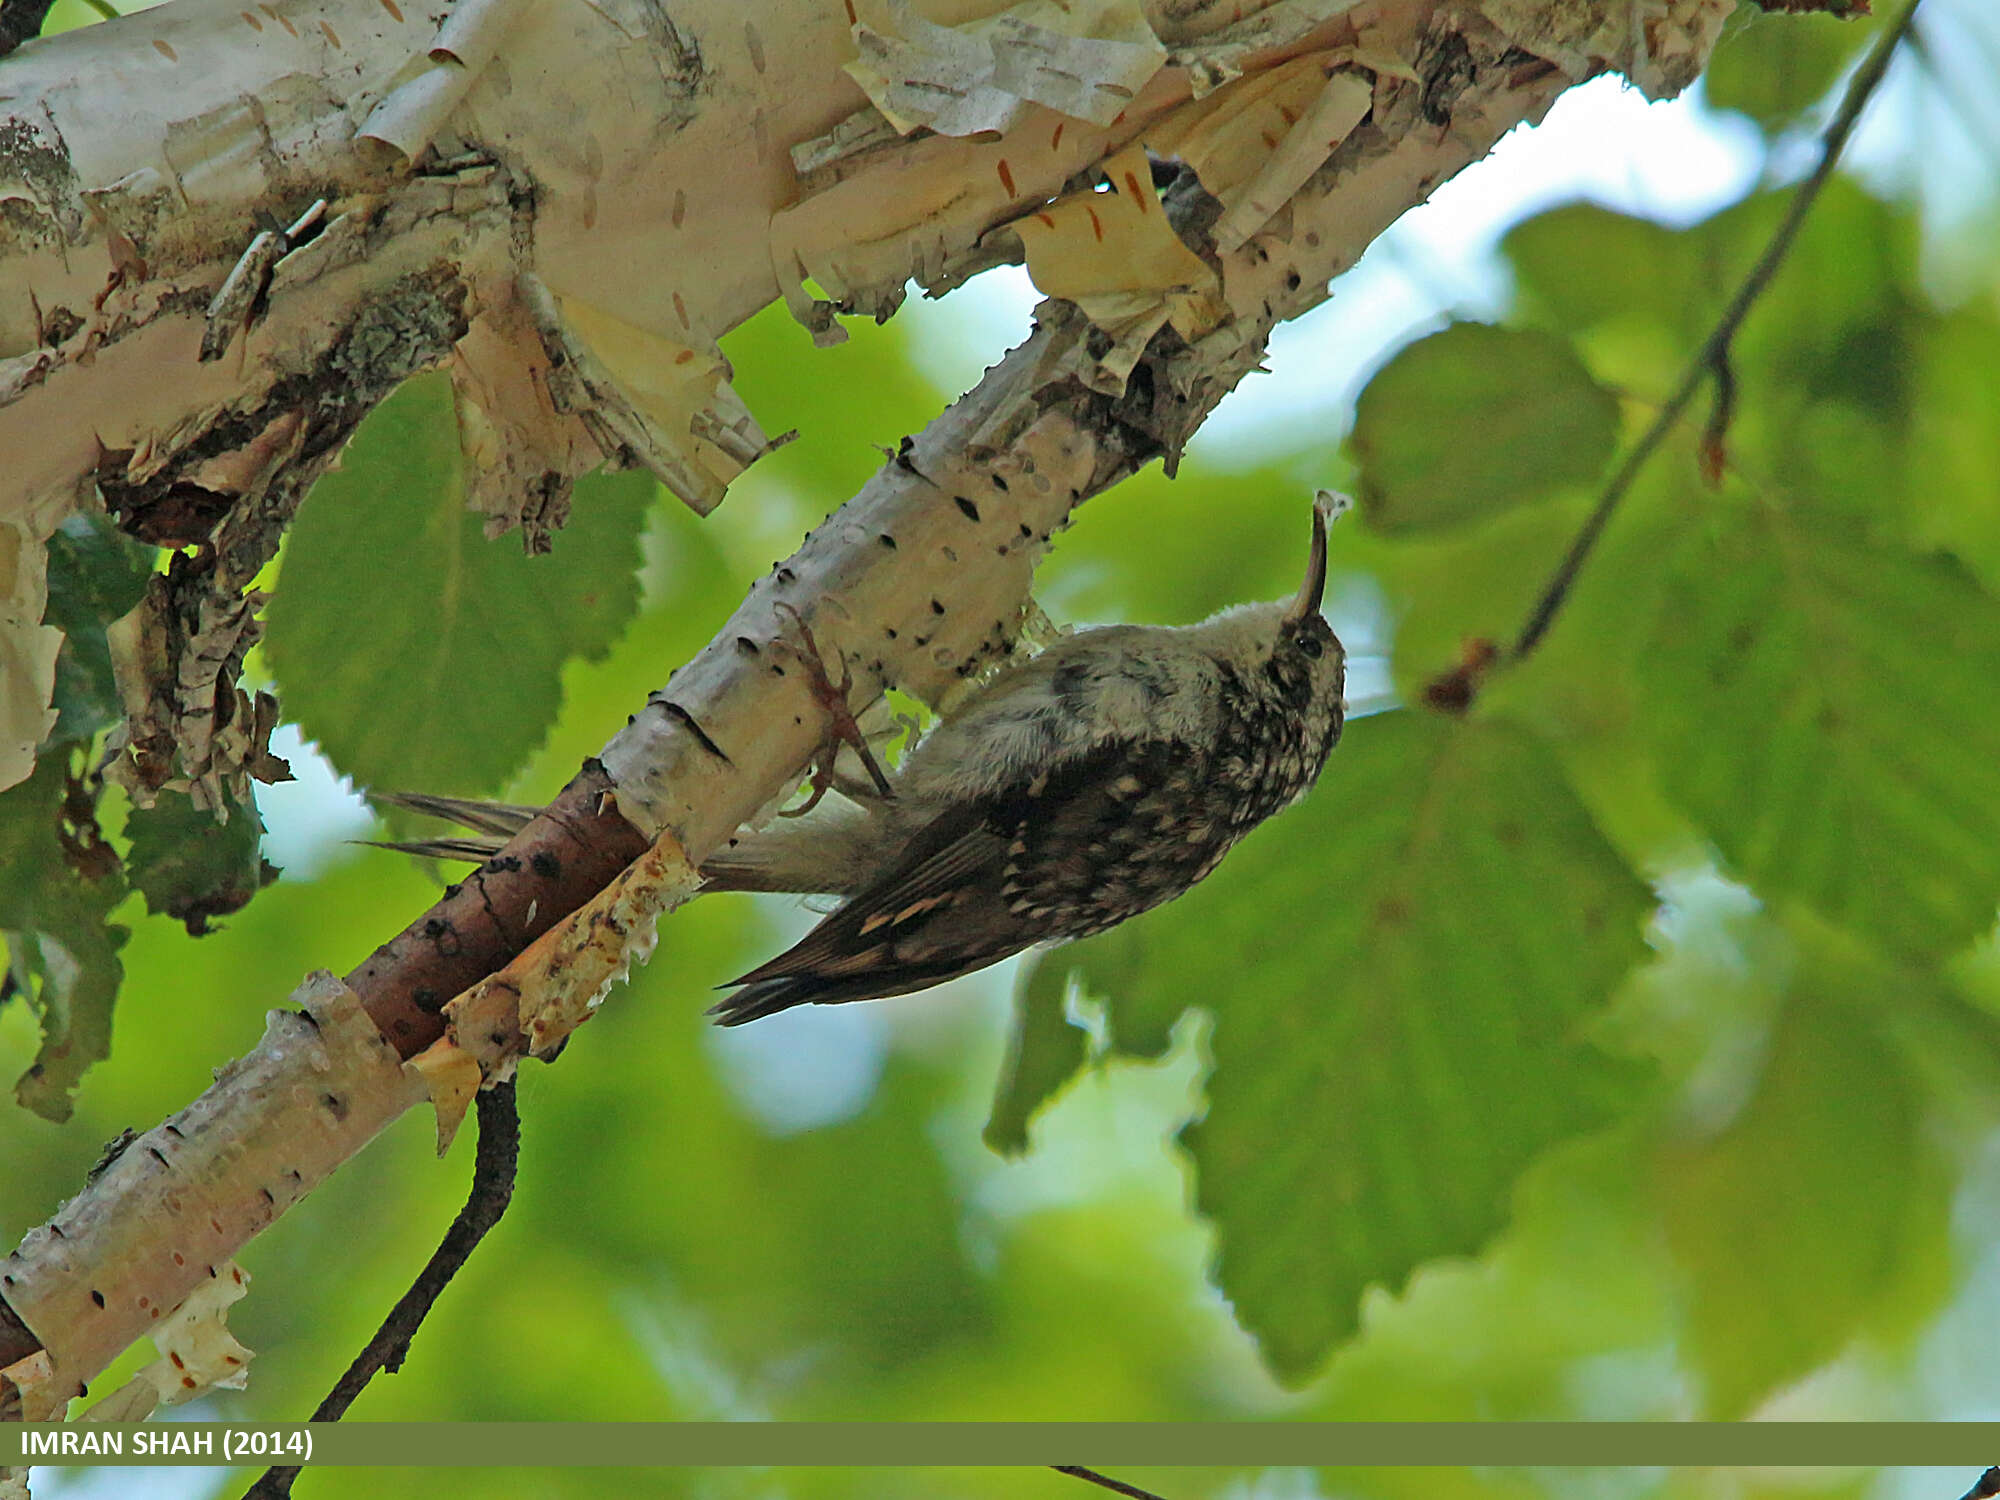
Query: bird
point(1083, 785)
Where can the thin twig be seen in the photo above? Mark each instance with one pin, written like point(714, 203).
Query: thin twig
point(492, 1187)
point(1116, 1486)
point(1714, 352)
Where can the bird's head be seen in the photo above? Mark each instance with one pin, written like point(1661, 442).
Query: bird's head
point(1285, 647)
point(1307, 659)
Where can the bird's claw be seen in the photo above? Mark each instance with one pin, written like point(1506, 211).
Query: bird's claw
point(832, 697)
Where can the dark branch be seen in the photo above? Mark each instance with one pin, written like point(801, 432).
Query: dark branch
point(551, 867)
point(492, 1188)
point(1986, 1486)
point(20, 21)
point(1713, 355)
point(1105, 1481)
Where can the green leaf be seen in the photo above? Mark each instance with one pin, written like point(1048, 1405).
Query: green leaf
point(1475, 420)
point(64, 954)
point(417, 652)
point(192, 868)
point(1851, 269)
point(1823, 1211)
point(1830, 327)
point(1773, 68)
point(96, 574)
point(1579, 266)
point(1043, 1053)
point(1826, 363)
point(1579, 1274)
point(1409, 960)
point(1823, 708)
point(1950, 491)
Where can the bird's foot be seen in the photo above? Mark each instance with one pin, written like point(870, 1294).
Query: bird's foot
point(832, 697)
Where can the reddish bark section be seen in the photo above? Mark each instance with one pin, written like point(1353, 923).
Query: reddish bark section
point(16, 1343)
point(554, 865)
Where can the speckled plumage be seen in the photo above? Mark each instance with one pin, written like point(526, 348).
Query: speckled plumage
point(1084, 786)
point(1075, 789)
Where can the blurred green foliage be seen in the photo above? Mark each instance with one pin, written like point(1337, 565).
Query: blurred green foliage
point(59, 883)
point(62, 947)
point(1624, 1048)
point(1775, 68)
point(1540, 424)
point(1411, 1047)
point(96, 574)
point(418, 654)
point(191, 867)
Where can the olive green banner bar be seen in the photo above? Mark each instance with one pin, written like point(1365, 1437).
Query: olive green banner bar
point(959, 1444)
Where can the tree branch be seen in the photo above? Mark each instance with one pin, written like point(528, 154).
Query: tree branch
point(493, 1171)
point(1105, 1481)
point(963, 513)
point(20, 21)
point(1713, 356)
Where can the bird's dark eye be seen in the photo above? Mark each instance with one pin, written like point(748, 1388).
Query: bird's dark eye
point(1310, 644)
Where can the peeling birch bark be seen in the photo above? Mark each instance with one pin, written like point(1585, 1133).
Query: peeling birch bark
point(168, 1212)
point(550, 251)
point(632, 159)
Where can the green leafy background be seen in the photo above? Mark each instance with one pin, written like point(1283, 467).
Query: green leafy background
point(1627, 1048)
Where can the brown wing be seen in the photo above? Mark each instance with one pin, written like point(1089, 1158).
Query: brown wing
point(1070, 851)
point(934, 915)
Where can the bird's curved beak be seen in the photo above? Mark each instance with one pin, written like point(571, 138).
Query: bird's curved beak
point(1328, 506)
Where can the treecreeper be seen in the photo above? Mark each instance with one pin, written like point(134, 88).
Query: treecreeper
point(1078, 787)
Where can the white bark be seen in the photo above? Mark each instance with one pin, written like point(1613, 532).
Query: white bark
point(576, 218)
point(167, 1213)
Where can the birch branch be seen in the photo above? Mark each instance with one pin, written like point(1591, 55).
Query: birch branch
point(185, 337)
point(919, 581)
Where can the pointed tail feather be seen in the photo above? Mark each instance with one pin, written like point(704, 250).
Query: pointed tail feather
point(756, 999)
point(500, 819)
point(817, 855)
point(478, 851)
